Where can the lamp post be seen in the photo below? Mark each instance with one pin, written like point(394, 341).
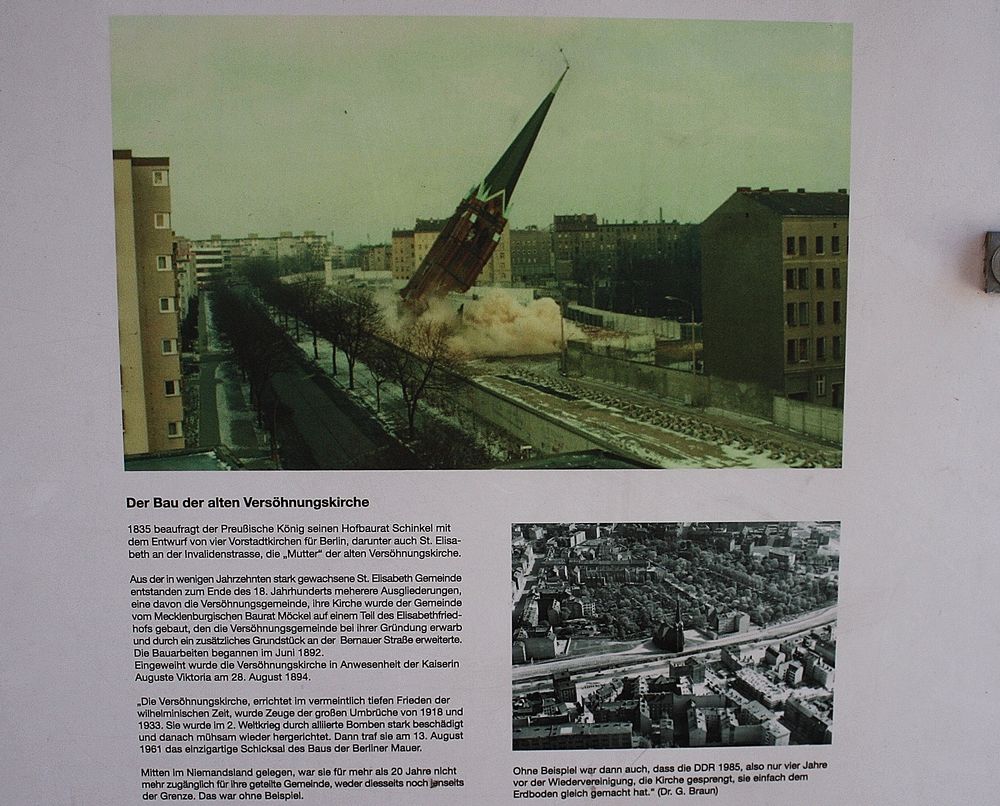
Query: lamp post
point(694, 358)
point(563, 368)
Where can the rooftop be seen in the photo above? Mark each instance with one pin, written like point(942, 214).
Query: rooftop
point(800, 202)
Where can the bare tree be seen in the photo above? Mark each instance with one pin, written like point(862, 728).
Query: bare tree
point(261, 349)
point(259, 271)
point(588, 273)
point(422, 359)
point(330, 324)
point(361, 323)
point(263, 276)
point(306, 299)
point(377, 357)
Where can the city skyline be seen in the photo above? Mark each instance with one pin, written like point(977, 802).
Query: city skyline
point(358, 125)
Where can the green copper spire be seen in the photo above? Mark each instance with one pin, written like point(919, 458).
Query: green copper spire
point(505, 173)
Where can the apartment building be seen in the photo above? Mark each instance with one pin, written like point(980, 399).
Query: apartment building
point(148, 309)
point(774, 291)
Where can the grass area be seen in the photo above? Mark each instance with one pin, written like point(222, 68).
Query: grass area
point(598, 646)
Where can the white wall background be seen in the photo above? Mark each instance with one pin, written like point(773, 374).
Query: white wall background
point(917, 699)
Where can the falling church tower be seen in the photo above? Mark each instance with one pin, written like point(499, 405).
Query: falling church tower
point(473, 232)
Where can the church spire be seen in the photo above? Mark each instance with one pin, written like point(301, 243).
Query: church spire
point(469, 238)
point(504, 176)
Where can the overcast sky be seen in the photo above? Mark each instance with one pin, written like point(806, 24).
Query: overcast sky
point(357, 125)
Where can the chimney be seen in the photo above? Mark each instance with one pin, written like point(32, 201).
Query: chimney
point(800, 190)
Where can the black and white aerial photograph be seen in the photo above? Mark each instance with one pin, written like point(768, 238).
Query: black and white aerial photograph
point(480, 242)
point(639, 635)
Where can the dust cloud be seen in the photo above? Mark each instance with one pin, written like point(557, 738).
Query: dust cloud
point(498, 325)
point(493, 325)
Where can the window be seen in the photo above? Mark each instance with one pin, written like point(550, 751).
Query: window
point(820, 313)
point(164, 262)
point(160, 178)
point(802, 244)
point(790, 314)
point(171, 388)
point(167, 305)
point(836, 277)
point(837, 350)
point(803, 313)
point(790, 278)
point(790, 245)
point(835, 244)
point(803, 278)
point(161, 220)
point(819, 244)
point(791, 351)
point(175, 429)
point(803, 350)
point(821, 349)
point(168, 346)
point(820, 278)
point(821, 386)
point(836, 311)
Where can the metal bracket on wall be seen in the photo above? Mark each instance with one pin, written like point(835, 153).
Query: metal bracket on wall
point(992, 264)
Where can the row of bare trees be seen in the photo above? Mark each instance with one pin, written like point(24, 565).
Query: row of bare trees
point(415, 355)
point(261, 348)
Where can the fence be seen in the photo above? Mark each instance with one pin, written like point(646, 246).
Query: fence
point(710, 391)
point(808, 418)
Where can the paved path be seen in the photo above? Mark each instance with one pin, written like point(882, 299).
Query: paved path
point(323, 429)
point(225, 418)
point(208, 418)
point(208, 363)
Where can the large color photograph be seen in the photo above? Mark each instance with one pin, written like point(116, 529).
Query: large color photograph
point(459, 243)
